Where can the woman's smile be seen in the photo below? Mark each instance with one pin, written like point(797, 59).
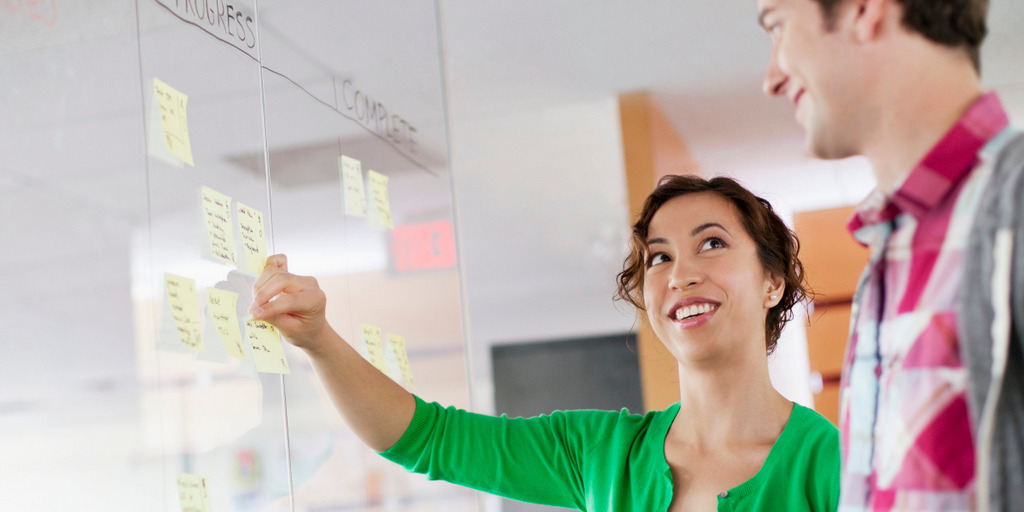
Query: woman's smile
point(704, 285)
point(693, 312)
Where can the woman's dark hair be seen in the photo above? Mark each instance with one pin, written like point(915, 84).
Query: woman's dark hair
point(777, 245)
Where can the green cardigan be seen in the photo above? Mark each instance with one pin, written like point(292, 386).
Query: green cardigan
point(606, 460)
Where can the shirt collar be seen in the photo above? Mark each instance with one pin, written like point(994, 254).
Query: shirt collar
point(940, 171)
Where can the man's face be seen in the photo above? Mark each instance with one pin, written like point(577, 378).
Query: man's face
point(814, 68)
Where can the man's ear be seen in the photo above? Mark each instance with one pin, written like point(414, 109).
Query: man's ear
point(870, 17)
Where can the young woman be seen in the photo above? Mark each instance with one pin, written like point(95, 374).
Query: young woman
point(717, 273)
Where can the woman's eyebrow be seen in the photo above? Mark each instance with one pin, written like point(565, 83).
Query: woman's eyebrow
point(707, 225)
point(694, 232)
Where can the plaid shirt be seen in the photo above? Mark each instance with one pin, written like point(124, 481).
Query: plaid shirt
point(906, 431)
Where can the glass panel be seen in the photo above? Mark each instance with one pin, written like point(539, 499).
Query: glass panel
point(365, 87)
point(102, 403)
point(205, 412)
point(74, 200)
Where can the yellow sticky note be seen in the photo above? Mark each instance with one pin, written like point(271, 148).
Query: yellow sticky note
point(353, 190)
point(181, 298)
point(223, 310)
point(398, 346)
point(371, 336)
point(220, 239)
point(254, 239)
point(173, 119)
point(379, 189)
point(267, 348)
point(194, 493)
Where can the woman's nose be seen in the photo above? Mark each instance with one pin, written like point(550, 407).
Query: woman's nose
point(684, 276)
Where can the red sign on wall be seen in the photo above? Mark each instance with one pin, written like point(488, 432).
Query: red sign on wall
point(423, 246)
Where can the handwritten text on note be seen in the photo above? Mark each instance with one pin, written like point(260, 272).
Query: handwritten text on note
point(174, 120)
point(267, 348)
point(223, 311)
point(352, 186)
point(371, 337)
point(194, 493)
point(379, 189)
point(254, 238)
point(220, 240)
point(398, 346)
point(181, 298)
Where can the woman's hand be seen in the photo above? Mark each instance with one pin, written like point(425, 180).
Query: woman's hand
point(377, 408)
point(294, 304)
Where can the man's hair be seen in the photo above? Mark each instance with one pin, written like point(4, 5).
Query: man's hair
point(953, 23)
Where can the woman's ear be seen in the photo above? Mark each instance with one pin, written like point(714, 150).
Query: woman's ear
point(776, 287)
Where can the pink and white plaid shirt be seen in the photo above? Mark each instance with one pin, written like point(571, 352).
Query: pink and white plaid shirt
point(906, 431)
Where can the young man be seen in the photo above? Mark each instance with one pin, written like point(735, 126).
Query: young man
point(932, 414)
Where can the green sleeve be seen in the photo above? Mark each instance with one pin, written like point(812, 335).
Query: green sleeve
point(535, 460)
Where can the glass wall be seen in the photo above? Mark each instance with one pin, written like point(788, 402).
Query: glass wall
point(151, 153)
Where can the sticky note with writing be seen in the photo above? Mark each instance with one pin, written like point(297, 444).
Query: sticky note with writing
point(181, 298)
point(267, 348)
point(398, 347)
point(371, 337)
point(220, 234)
point(353, 190)
point(194, 493)
point(379, 191)
point(174, 120)
point(254, 238)
point(223, 304)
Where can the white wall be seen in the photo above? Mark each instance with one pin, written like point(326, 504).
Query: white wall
point(542, 220)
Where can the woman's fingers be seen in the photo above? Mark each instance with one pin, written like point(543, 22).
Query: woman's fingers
point(274, 281)
point(276, 264)
point(279, 261)
point(304, 301)
point(270, 285)
point(282, 305)
point(294, 304)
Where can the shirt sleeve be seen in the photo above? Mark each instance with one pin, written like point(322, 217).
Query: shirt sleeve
point(535, 459)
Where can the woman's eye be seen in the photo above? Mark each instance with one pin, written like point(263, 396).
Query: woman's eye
point(656, 258)
point(712, 243)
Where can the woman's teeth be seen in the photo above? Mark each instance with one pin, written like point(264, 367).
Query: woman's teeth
point(693, 310)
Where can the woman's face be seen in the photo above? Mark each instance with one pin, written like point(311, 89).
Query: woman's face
point(705, 289)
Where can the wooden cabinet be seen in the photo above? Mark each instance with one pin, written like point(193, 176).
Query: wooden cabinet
point(827, 330)
point(833, 261)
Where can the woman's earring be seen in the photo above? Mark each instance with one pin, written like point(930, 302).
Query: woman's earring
point(774, 297)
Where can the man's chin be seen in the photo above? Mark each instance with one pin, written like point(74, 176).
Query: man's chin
point(821, 148)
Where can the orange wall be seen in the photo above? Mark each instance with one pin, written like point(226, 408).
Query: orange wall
point(651, 148)
point(833, 262)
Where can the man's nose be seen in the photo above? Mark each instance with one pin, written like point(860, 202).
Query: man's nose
point(774, 79)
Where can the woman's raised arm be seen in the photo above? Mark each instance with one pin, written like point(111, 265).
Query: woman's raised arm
point(374, 406)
